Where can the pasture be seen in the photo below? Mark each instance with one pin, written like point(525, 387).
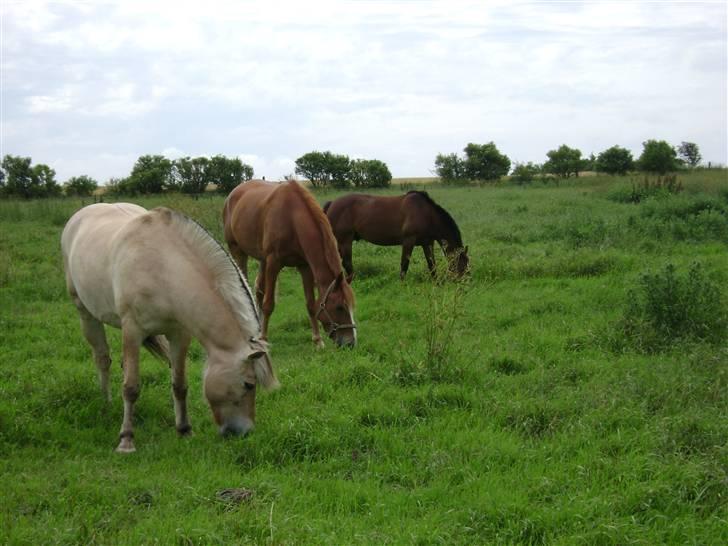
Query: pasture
point(509, 409)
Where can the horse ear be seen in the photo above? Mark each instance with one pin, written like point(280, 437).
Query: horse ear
point(350, 278)
point(258, 348)
point(339, 279)
point(466, 249)
point(262, 365)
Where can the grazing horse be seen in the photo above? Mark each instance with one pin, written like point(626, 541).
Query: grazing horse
point(410, 220)
point(281, 225)
point(162, 279)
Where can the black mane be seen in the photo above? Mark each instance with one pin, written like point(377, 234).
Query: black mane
point(444, 216)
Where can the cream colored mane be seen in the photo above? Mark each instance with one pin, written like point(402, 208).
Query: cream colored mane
point(229, 279)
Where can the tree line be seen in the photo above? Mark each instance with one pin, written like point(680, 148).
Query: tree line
point(484, 163)
point(153, 174)
point(481, 162)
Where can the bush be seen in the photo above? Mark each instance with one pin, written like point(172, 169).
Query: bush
point(525, 173)
point(564, 162)
point(641, 190)
point(369, 173)
point(615, 160)
point(658, 157)
point(666, 308)
point(80, 185)
point(451, 169)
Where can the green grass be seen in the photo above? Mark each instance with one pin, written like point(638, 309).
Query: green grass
point(533, 428)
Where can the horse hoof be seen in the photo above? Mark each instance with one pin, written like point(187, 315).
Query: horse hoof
point(125, 446)
point(319, 344)
point(184, 431)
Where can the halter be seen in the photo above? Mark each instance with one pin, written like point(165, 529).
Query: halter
point(335, 326)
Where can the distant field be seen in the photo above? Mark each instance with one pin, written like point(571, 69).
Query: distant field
point(535, 424)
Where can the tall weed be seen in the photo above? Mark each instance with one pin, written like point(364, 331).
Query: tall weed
point(666, 308)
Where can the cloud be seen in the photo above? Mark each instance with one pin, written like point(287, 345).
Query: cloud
point(385, 80)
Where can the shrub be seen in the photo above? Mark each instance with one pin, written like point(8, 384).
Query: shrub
point(524, 173)
point(666, 308)
point(615, 160)
point(661, 185)
point(80, 185)
point(369, 173)
point(658, 157)
point(451, 169)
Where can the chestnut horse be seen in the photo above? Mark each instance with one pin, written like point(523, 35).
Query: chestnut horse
point(410, 220)
point(281, 225)
point(162, 279)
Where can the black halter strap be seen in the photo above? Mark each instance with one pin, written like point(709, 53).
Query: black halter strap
point(335, 326)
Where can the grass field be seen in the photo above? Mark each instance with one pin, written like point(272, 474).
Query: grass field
point(540, 420)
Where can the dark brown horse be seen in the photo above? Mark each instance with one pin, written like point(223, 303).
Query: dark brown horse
point(281, 225)
point(410, 220)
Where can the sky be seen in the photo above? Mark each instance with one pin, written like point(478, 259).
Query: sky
point(88, 87)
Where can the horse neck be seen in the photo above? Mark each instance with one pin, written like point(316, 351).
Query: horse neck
point(219, 329)
point(311, 239)
point(446, 236)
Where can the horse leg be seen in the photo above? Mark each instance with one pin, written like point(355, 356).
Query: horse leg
point(260, 284)
point(178, 345)
point(130, 343)
point(407, 246)
point(272, 268)
point(308, 283)
point(345, 251)
point(240, 258)
point(93, 331)
point(429, 250)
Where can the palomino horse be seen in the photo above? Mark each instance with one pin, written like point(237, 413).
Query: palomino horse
point(410, 220)
point(158, 274)
point(280, 225)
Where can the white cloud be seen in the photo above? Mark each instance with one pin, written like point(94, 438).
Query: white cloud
point(397, 82)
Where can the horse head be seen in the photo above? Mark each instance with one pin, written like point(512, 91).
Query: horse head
point(336, 312)
point(459, 261)
point(230, 383)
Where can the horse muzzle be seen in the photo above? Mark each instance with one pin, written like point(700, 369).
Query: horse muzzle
point(236, 428)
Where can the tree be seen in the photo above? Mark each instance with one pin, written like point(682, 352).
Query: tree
point(524, 173)
point(228, 172)
point(658, 157)
point(81, 186)
point(19, 176)
point(690, 153)
point(485, 163)
point(615, 160)
point(191, 175)
point(22, 180)
point(324, 169)
point(450, 168)
point(151, 174)
point(46, 180)
point(564, 162)
point(369, 173)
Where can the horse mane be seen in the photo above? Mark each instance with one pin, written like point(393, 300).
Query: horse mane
point(331, 252)
point(448, 220)
point(229, 279)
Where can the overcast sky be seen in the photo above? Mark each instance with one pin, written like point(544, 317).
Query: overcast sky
point(88, 87)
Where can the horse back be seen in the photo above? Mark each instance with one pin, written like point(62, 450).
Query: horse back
point(260, 218)
point(87, 244)
point(382, 220)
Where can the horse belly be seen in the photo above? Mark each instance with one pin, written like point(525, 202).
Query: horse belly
point(90, 278)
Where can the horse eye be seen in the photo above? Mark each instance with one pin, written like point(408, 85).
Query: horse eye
point(249, 386)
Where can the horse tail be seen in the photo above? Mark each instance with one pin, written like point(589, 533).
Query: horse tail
point(159, 347)
point(326, 206)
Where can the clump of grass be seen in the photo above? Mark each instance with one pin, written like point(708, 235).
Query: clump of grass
point(444, 307)
point(666, 308)
point(647, 187)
